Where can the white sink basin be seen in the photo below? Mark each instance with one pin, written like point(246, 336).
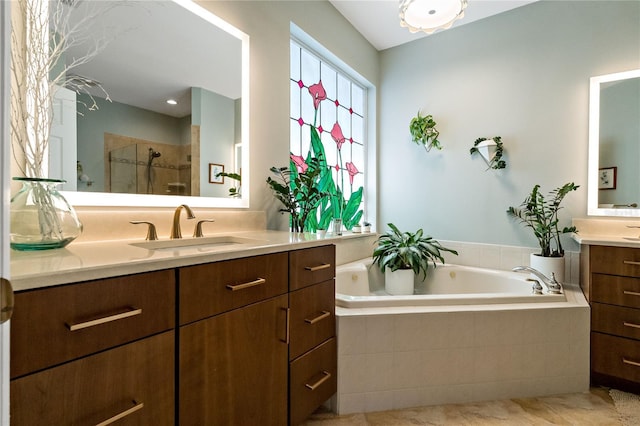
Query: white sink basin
point(197, 243)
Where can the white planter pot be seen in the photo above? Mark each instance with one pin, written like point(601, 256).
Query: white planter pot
point(547, 265)
point(399, 282)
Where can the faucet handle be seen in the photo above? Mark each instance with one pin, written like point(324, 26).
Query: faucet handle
point(197, 231)
point(152, 235)
point(536, 287)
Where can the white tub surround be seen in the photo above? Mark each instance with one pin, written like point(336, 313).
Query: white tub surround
point(405, 356)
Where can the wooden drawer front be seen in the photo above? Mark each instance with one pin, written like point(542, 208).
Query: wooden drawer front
point(313, 318)
point(615, 356)
point(623, 261)
point(58, 324)
point(213, 288)
point(313, 381)
point(311, 266)
point(137, 378)
point(616, 320)
point(233, 367)
point(615, 290)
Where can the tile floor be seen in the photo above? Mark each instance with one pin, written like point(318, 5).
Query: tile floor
point(590, 408)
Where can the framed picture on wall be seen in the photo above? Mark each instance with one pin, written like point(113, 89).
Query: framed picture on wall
point(607, 178)
point(214, 170)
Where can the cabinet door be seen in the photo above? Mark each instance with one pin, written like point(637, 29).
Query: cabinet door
point(233, 367)
point(133, 383)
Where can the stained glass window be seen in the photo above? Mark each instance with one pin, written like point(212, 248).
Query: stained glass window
point(327, 121)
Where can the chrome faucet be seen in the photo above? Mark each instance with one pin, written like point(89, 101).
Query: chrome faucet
point(175, 226)
point(553, 286)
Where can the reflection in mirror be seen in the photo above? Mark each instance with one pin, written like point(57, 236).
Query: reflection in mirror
point(614, 145)
point(136, 148)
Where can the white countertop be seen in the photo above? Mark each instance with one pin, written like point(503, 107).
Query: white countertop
point(606, 240)
point(93, 260)
point(617, 232)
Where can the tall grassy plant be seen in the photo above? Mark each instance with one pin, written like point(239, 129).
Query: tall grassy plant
point(408, 250)
point(541, 215)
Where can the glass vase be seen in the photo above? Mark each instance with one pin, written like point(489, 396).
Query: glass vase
point(41, 218)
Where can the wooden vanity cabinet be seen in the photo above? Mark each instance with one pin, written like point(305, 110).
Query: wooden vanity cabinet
point(312, 351)
point(613, 290)
point(233, 343)
point(95, 351)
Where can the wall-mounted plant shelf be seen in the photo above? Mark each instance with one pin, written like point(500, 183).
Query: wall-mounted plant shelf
point(491, 151)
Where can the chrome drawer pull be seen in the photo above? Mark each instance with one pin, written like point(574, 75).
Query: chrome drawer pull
point(631, 293)
point(325, 377)
point(317, 268)
point(630, 262)
point(322, 316)
point(630, 324)
point(122, 315)
point(253, 283)
point(635, 364)
point(125, 413)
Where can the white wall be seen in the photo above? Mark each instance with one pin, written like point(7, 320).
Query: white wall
point(523, 75)
point(267, 23)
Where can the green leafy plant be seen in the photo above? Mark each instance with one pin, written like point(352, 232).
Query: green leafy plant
point(423, 132)
point(496, 162)
point(298, 192)
point(234, 191)
point(541, 215)
point(408, 250)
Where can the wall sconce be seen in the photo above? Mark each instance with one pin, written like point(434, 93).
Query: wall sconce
point(430, 15)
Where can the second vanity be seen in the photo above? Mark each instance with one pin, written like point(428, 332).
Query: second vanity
point(226, 336)
point(610, 280)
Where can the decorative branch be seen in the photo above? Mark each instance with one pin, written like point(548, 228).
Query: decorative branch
point(39, 66)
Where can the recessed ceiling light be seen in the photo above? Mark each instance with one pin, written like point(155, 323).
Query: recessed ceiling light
point(172, 102)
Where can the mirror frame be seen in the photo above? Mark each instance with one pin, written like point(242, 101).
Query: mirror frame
point(104, 199)
point(594, 145)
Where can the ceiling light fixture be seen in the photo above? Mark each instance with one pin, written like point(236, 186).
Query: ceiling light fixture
point(172, 102)
point(430, 15)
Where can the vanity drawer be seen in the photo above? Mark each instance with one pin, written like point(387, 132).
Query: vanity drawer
point(57, 324)
point(313, 380)
point(311, 266)
point(136, 379)
point(313, 318)
point(616, 320)
point(615, 356)
point(213, 288)
point(614, 290)
point(622, 261)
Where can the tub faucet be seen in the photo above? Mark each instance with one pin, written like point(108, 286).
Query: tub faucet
point(175, 226)
point(553, 286)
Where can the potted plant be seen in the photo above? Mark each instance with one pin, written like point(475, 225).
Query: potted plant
point(297, 191)
point(491, 150)
point(366, 227)
point(423, 132)
point(357, 228)
point(541, 215)
point(401, 256)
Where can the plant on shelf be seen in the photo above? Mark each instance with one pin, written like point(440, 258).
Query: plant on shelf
point(423, 132)
point(404, 255)
point(493, 159)
point(298, 192)
point(541, 215)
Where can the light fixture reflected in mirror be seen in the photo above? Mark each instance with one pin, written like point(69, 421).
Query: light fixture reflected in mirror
point(430, 15)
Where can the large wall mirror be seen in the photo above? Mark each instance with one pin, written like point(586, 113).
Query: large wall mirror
point(614, 145)
point(136, 148)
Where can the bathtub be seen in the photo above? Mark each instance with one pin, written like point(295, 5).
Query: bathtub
point(361, 284)
point(468, 334)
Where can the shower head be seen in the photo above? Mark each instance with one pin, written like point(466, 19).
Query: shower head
point(154, 154)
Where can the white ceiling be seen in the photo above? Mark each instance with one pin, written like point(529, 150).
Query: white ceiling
point(378, 20)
